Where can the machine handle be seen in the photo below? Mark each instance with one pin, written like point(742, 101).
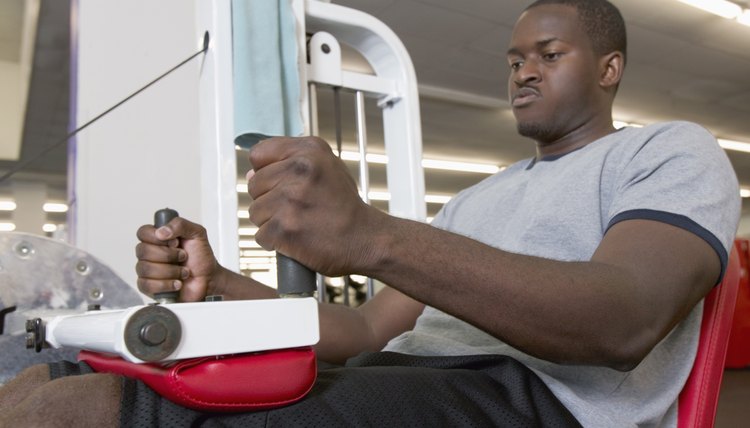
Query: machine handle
point(162, 217)
point(294, 279)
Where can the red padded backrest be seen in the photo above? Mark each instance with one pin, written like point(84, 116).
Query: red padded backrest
point(698, 399)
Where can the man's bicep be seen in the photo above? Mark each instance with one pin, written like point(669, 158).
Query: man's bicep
point(672, 268)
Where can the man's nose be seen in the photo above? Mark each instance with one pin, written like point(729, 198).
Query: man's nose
point(527, 73)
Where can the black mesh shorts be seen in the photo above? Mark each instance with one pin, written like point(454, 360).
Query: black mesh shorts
point(378, 390)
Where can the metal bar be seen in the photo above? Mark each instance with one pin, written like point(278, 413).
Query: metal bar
point(364, 173)
point(313, 126)
point(313, 109)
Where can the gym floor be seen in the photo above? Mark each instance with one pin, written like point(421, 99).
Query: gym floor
point(734, 399)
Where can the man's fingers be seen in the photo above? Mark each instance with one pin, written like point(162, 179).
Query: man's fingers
point(150, 270)
point(177, 228)
point(276, 149)
point(150, 287)
point(159, 253)
point(272, 150)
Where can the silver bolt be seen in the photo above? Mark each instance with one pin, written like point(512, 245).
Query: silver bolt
point(96, 293)
point(82, 267)
point(24, 249)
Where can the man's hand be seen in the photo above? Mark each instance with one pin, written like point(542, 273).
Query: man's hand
point(307, 206)
point(177, 256)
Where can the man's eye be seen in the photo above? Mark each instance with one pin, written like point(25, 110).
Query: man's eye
point(551, 56)
point(515, 65)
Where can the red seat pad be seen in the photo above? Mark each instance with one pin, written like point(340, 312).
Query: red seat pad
point(230, 383)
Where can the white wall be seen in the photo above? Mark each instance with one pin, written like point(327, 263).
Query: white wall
point(144, 155)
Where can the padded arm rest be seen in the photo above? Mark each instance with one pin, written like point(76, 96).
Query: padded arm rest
point(230, 383)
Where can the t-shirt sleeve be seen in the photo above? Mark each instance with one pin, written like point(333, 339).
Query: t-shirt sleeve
point(682, 177)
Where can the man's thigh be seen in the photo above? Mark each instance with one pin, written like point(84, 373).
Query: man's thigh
point(387, 389)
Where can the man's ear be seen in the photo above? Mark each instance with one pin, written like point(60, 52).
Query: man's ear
point(611, 67)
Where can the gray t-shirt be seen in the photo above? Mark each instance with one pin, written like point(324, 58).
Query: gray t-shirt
point(560, 208)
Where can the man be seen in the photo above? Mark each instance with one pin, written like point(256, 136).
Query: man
point(585, 264)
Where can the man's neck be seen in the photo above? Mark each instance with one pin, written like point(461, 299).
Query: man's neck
point(576, 138)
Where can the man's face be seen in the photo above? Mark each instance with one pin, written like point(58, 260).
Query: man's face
point(554, 74)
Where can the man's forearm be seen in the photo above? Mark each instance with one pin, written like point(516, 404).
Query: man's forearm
point(591, 312)
point(344, 331)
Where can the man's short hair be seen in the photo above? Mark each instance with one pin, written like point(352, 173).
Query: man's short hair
point(601, 20)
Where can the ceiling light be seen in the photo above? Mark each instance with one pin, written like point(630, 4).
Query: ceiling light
point(744, 18)
point(481, 168)
point(6, 205)
point(256, 260)
point(379, 196)
point(745, 193)
point(723, 8)
point(242, 188)
point(249, 244)
point(460, 166)
point(430, 199)
point(618, 124)
point(437, 199)
point(54, 207)
point(257, 253)
point(243, 214)
point(248, 231)
point(7, 227)
point(734, 145)
point(49, 228)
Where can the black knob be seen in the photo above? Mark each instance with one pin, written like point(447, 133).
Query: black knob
point(162, 217)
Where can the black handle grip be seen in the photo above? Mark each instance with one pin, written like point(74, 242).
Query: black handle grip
point(162, 217)
point(294, 279)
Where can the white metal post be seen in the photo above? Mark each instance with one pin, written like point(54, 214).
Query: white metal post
point(217, 153)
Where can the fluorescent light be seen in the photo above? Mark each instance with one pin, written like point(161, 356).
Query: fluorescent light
point(481, 168)
point(249, 244)
point(256, 260)
point(734, 145)
point(257, 253)
point(723, 8)
point(618, 124)
point(243, 214)
point(55, 207)
point(257, 266)
point(6, 205)
point(437, 199)
point(745, 193)
point(379, 196)
point(460, 166)
point(744, 19)
point(371, 157)
point(49, 227)
point(431, 199)
point(242, 188)
point(248, 231)
point(7, 227)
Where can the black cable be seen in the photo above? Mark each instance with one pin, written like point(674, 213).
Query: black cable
point(337, 116)
point(23, 164)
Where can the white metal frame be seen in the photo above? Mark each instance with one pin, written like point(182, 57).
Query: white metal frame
point(394, 85)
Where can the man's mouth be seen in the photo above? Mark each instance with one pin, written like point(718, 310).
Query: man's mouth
point(525, 96)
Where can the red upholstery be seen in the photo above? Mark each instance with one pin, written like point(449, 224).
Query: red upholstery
point(699, 397)
point(230, 383)
point(738, 351)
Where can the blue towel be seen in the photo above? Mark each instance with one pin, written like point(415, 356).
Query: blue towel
point(266, 77)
